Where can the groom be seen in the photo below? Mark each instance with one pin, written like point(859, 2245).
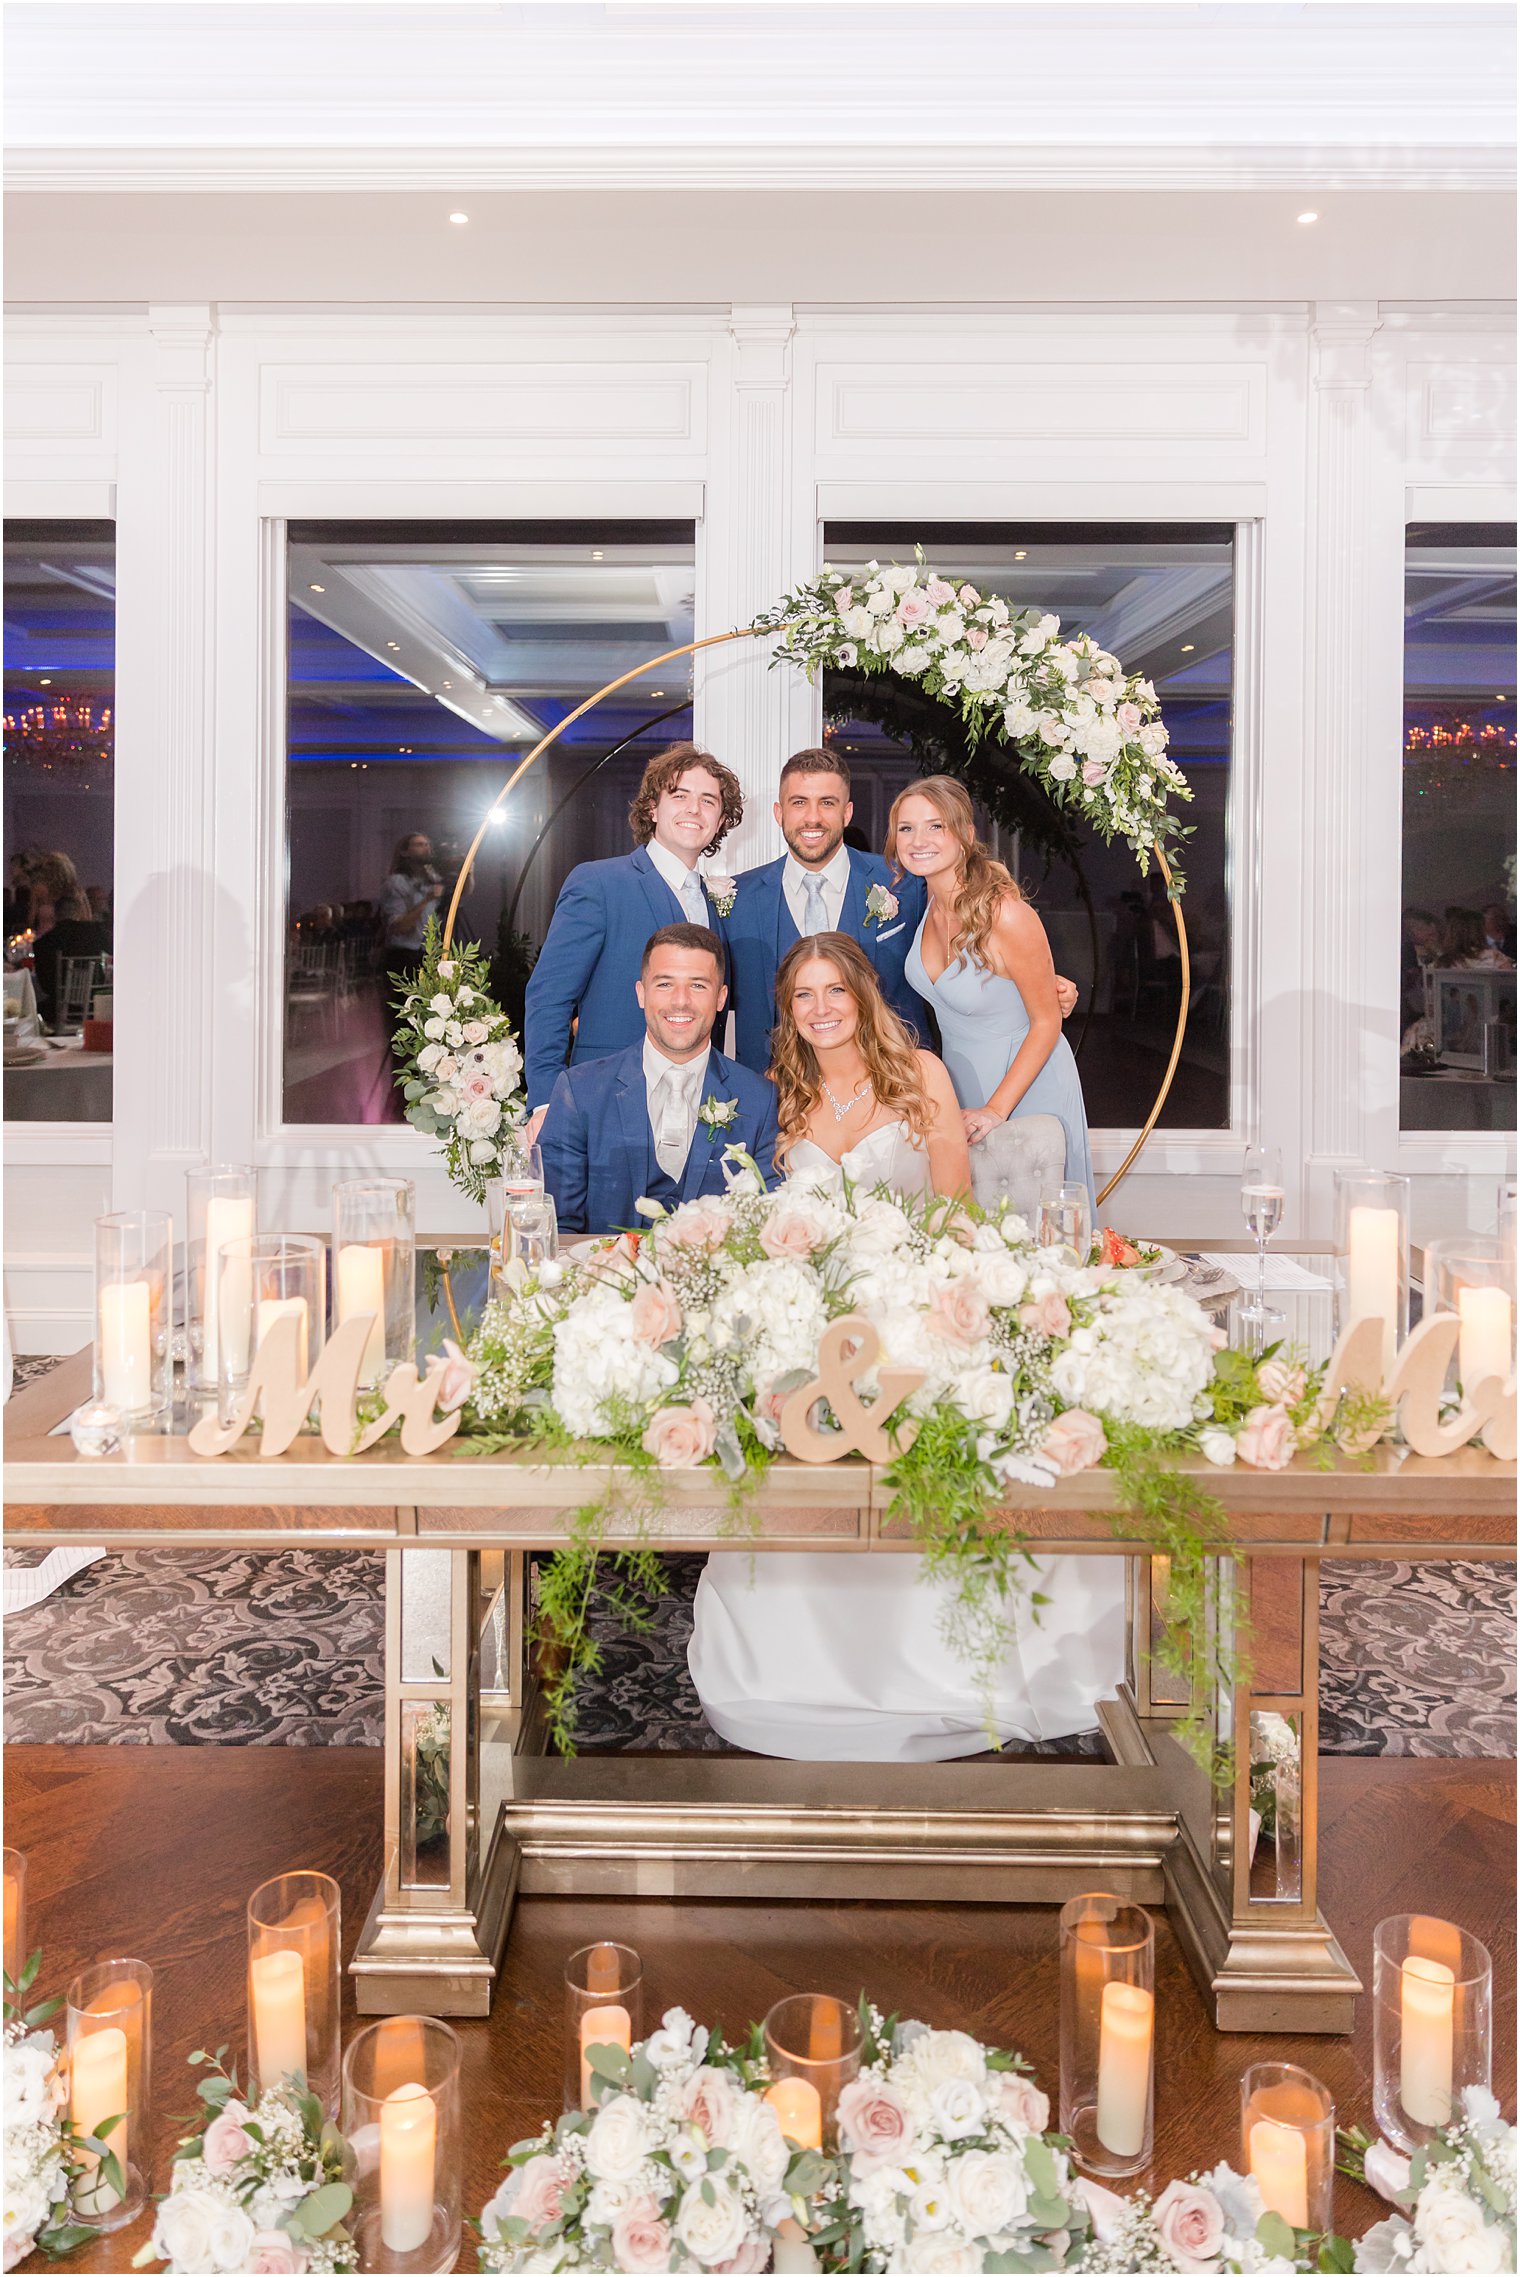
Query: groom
point(655, 1119)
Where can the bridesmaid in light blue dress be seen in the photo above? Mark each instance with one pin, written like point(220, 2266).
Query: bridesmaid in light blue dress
point(994, 994)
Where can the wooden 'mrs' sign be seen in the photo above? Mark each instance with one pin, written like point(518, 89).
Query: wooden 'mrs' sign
point(287, 1395)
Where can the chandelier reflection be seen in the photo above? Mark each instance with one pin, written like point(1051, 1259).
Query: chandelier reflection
point(68, 732)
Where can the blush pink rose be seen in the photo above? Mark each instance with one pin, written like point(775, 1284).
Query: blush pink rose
point(968, 597)
point(226, 2141)
point(1074, 1442)
point(453, 1378)
point(1128, 716)
point(710, 2101)
point(844, 598)
point(1191, 2223)
point(940, 592)
point(976, 637)
point(753, 2256)
point(274, 2253)
point(960, 1313)
point(1022, 2102)
point(874, 2125)
point(1265, 1439)
point(656, 1313)
point(793, 1230)
point(476, 1031)
point(540, 2192)
point(681, 1437)
point(696, 1225)
point(476, 1086)
point(1048, 1313)
point(1094, 771)
point(640, 2240)
point(1283, 1383)
point(914, 607)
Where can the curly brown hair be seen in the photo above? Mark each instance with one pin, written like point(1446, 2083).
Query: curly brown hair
point(889, 1052)
point(984, 883)
point(664, 771)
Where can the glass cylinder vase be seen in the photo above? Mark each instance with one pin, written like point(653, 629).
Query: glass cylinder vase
point(274, 1278)
point(1108, 2016)
point(15, 1915)
point(401, 2115)
point(604, 2007)
point(295, 1943)
point(1473, 1276)
point(1432, 2024)
point(813, 2045)
point(110, 2055)
point(1287, 2142)
point(134, 1315)
point(1372, 1254)
point(221, 1208)
point(374, 1268)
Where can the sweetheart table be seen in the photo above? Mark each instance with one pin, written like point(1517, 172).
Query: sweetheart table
point(478, 1813)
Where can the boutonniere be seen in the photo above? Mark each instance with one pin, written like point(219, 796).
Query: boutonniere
point(881, 903)
point(721, 892)
point(717, 1114)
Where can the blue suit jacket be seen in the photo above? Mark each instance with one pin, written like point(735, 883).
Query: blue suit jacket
point(759, 931)
point(589, 964)
point(598, 1149)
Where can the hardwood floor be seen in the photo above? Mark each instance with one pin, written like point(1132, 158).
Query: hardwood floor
point(153, 1852)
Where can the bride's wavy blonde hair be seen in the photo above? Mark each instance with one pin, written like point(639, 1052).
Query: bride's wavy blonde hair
point(886, 1047)
point(984, 882)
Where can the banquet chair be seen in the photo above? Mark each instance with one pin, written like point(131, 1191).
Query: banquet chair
point(76, 988)
point(1017, 1161)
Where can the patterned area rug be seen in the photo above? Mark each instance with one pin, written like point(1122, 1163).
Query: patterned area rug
point(224, 1648)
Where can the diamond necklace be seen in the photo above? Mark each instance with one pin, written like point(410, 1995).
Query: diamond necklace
point(853, 1101)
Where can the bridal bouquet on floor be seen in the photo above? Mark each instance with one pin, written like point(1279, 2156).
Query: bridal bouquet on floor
point(39, 2147)
point(682, 2165)
point(1456, 2197)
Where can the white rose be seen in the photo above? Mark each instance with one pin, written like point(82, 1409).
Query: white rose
point(858, 623)
point(429, 1056)
point(912, 658)
point(1217, 1447)
point(200, 2229)
point(1153, 740)
point(988, 2191)
point(985, 1396)
point(26, 2209)
point(757, 2142)
point(1454, 2234)
point(889, 636)
point(940, 2254)
point(619, 2140)
point(881, 600)
point(434, 1030)
point(711, 2222)
point(958, 2108)
point(1063, 769)
point(29, 2068)
point(937, 2056)
point(441, 1004)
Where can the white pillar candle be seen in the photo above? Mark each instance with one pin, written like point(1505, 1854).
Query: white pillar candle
point(1372, 1271)
point(602, 2028)
point(1484, 1336)
point(1280, 2165)
point(799, 2112)
point(361, 1288)
point(408, 2152)
point(1427, 1998)
point(229, 1217)
point(1125, 2027)
point(126, 1346)
point(272, 1309)
point(277, 1990)
point(98, 2091)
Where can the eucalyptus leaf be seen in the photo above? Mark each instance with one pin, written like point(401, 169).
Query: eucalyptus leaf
point(325, 2208)
point(1275, 2236)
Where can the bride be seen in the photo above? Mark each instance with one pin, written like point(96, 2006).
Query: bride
point(841, 1659)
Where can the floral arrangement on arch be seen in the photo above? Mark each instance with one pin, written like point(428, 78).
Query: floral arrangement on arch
point(1456, 2197)
point(682, 2165)
point(678, 1346)
point(1087, 731)
point(458, 1064)
point(260, 2187)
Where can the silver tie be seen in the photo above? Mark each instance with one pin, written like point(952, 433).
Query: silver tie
point(672, 1137)
point(692, 899)
point(814, 916)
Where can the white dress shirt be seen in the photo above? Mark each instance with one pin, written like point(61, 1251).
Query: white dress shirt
point(674, 1091)
point(834, 880)
point(685, 884)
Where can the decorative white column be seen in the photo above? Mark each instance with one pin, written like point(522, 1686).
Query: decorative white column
point(165, 886)
point(746, 713)
point(1344, 1045)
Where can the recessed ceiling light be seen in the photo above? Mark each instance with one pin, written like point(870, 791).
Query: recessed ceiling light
point(1305, 218)
point(653, 691)
point(316, 588)
point(596, 553)
point(44, 683)
point(459, 219)
point(1187, 647)
point(1021, 557)
point(395, 644)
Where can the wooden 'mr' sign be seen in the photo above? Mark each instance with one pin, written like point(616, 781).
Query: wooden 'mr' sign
point(287, 1395)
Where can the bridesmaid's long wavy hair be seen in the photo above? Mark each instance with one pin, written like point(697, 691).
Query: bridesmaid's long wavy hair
point(984, 882)
point(886, 1047)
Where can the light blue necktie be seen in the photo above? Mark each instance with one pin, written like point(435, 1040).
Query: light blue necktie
point(692, 900)
point(814, 915)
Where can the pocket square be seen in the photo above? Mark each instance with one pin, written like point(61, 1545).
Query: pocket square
point(892, 931)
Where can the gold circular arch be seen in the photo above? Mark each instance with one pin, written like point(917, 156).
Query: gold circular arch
point(751, 632)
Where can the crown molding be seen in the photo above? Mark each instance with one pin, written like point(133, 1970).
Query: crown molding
point(949, 166)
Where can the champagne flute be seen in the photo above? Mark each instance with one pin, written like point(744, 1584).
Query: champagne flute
point(532, 1229)
point(1066, 1220)
point(1261, 1200)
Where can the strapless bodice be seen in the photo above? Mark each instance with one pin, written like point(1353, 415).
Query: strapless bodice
point(884, 1157)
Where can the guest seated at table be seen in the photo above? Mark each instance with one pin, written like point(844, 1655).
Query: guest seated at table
point(656, 1119)
point(73, 932)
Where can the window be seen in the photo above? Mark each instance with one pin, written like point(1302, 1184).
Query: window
point(60, 819)
point(1162, 600)
point(1457, 951)
point(423, 664)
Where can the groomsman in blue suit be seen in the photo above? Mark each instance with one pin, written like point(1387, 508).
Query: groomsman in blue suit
point(655, 1119)
point(819, 885)
point(581, 995)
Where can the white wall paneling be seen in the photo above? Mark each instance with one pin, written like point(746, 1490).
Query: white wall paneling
point(1314, 429)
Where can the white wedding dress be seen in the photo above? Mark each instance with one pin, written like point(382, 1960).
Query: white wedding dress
point(841, 1659)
